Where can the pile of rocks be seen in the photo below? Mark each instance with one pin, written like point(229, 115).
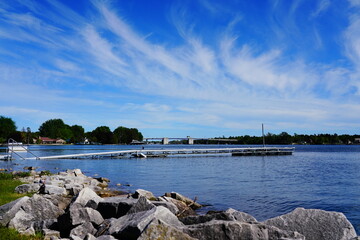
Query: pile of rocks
point(73, 210)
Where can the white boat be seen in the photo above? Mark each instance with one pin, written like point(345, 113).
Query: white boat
point(4, 157)
point(17, 147)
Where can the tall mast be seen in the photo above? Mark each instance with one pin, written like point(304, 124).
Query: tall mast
point(262, 126)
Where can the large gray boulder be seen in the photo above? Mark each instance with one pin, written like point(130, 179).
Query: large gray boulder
point(234, 230)
point(145, 193)
point(228, 215)
point(143, 204)
point(77, 216)
point(55, 190)
point(82, 230)
point(36, 208)
point(84, 196)
point(8, 211)
point(60, 201)
point(315, 224)
point(169, 205)
point(115, 207)
point(159, 230)
point(81, 215)
point(183, 209)
point(132, 225)
point(240, 216)
point(27, 188)
point(73, 188)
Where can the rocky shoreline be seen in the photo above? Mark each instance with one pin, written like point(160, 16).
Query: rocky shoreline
point(70, 205)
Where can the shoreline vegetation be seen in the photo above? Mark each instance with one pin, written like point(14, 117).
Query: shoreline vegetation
point(56, 129)
point(72, 205)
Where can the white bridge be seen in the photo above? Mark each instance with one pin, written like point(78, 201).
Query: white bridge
point(189, 140)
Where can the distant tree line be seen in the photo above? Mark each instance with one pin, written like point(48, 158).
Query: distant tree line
point(285, 139)
point(57, 129)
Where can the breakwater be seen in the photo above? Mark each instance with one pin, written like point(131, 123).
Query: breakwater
point(72, 205)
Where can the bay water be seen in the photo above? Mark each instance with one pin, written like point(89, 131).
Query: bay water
point(323, 177)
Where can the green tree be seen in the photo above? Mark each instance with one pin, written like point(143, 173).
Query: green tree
point(120, 134)
point(126, 135)
point(7, 128)
point(78, 133)
point(103, 135)
point(55, 128)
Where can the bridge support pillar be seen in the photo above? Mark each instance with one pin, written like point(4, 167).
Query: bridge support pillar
point(165, 140)
point(190, 141)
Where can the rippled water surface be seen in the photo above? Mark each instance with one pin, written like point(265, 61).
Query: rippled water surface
point(324, 177)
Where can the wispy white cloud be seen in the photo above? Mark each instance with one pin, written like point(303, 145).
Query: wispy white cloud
point(232, 84)
point(323, 5)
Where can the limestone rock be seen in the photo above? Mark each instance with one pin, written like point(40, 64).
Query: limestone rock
point(143, 204)
point(234, 230)
point(8, 211)
point(27, 188)
point(80, 215)
point(73, 189)
point(159, 230)
point(184, 209)
point(169, 205)
point(142, 192)
point(85, 195)
point(50, 234)
point(82, 230)
point(36, 208)
point(194, 205)
point(197, 219)
point(55, 190)
point(77, 216)
point(132, 225)
point(115, 206)
point(240, 216)
point(315, 224)
point(60, 201)
point(45, 224)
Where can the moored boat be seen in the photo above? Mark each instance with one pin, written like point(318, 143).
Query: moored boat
point(17, 147)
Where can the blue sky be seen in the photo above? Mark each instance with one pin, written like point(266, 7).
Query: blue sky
point(200, 68)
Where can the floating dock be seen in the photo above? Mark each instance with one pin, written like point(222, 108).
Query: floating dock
point(143, 153)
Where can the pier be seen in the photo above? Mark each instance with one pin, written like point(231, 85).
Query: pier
point(248, 151)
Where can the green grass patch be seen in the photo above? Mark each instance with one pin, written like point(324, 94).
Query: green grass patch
point(7, 190)
point(8, 183)
point(12, 234)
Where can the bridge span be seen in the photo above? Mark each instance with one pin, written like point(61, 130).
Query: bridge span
point(189, 140)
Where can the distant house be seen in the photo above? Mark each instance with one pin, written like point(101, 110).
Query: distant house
point(357, 140)
point(60, 141)
point(46, 140)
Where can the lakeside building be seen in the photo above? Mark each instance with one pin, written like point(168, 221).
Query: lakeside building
point(46, 140)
